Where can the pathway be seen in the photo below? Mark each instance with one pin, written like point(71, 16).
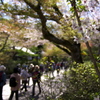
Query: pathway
point(46, 85)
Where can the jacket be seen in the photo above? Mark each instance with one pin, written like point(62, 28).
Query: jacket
point(36, 75)
point(3, 78)
point(18, 77)
point(24, 74)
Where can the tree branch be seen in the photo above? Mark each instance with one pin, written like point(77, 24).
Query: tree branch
point(57, 11)
point(66, 50)
point(2, 2)
point(4, 43)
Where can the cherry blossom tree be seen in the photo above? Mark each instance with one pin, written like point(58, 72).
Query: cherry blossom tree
point(14, 35)
point(89, 26)
point(45, 12)
point(56, 18)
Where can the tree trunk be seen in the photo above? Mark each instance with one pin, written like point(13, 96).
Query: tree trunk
point(72, 49)
point(76, 53)
point(93, 60)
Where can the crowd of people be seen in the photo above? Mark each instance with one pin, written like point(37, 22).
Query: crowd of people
point(19, 79)
point(23, 73)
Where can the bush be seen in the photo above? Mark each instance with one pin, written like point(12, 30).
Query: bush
point(82, 83)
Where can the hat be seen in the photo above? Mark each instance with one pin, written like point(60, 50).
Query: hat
point(18, 64)
point(31, 65)
point(2, 67)
point(37, 67)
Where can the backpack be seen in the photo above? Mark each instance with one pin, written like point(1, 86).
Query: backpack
point(13, 82)
point(1, 76)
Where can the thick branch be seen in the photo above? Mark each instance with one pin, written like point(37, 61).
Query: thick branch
point(66, 50)
point(73, 4)
point(57, 10)
point(73, 48)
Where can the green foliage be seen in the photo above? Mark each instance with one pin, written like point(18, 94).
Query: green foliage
point(49, 2)
point(10, 58)
point(4, 58)
point(22, 57)
point(10, 65)
point(54, 51)
point(34, 49)
point(79, 6)
point(83, 83)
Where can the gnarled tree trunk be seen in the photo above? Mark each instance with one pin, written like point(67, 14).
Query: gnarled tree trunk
point(72, 49)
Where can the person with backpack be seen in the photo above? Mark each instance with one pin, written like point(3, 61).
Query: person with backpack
point(2, 79)
point(14, 83)
point(36, 75)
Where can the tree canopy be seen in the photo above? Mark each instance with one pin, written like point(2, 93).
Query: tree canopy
point(54, 18)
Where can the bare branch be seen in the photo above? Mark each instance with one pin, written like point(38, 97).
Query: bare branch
point(4, 43)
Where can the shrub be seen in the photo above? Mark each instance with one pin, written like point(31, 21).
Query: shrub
point(82, 83)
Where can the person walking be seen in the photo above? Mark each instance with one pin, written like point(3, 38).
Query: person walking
point(24, 77)
point(58, 68)
point(2, 80)
point(15, 89)
point(36, 77)
point(31, 66)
